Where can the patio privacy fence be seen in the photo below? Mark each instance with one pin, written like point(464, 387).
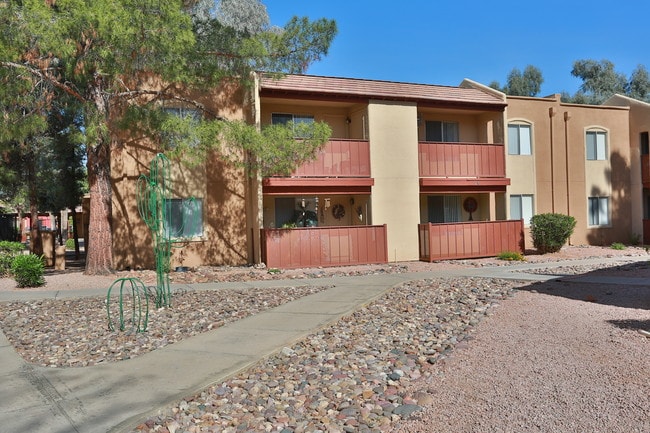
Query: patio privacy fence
point(470, 239)
point(324, 246)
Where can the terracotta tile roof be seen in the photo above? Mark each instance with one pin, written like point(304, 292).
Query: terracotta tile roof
point(332, 87)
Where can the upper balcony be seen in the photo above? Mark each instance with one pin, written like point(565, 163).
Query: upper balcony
point(458, 166)
point(342, 166)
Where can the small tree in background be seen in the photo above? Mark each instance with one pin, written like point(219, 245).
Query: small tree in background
point(550, 231)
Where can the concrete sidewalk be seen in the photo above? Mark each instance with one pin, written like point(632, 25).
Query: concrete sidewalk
point(114, 397)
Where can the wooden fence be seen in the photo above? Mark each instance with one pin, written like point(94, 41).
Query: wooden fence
point(470, 239)
point(324, 246)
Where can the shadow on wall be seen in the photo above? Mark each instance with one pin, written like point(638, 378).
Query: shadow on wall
point(620, 212)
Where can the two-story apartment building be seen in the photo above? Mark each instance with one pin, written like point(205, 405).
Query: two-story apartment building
point(575, 160)
point(401, 155)
point(412, 171)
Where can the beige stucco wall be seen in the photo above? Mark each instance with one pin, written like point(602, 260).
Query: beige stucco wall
point(563, 178)
point(346, 120)
point(394, 164)
point(225, 192)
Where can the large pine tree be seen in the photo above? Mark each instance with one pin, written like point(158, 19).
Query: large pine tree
point(95, 50)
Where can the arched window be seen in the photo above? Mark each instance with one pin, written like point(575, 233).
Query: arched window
point(520, 139)
point(596, 142)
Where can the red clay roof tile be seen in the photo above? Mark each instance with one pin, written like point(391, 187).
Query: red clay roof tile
point(374, 89)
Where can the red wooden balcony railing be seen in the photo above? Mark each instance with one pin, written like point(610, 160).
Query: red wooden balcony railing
point(339, 158)
point(470, 239)
point(324, 246)
point(474, 160)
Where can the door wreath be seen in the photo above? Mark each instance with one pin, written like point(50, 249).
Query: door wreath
point(338, 211)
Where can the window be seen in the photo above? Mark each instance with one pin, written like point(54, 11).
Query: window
point(446, 132)
point(521, 206)
point(184, 217)
point(519, 139)
point(183, 112)
point(180, 130)
point(598, 211)
point(443, 208)
point(596, 145)
point(298, 121)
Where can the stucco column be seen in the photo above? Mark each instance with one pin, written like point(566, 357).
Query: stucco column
point(395, 201)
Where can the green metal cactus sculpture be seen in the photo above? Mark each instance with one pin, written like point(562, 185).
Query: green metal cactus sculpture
point(152, 196)
point(154, 206)
point(135, 294)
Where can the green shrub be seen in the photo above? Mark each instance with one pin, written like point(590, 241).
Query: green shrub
point(28, 270)
point(550, 231)
point(8, 251)
point(69, 243)
point(618, 246)
point(511, 256)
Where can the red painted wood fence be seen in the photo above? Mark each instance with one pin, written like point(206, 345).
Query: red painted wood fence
point(470, 239)
point(461, 160)
point(324, 246)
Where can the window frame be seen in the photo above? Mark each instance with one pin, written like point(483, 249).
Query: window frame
point(518, 150)
point(443, 132)
point(193, 114)
point(295, 119)
point(520, 208)
point(595, 211)
point(179, 231)
point(596, 154)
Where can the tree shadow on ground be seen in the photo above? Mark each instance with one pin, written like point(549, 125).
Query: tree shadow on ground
point(634, 325)
point(620, 286)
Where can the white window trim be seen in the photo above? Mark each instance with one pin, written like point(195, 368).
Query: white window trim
point(184, 201)
point(601, 212)
point(519, 124)
point(600, 154)
point(526, 216)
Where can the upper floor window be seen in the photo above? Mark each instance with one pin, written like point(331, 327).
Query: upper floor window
point(519, 139)
point(297, 120)
point(596, 145)
point(446, 132)
point(183, 128)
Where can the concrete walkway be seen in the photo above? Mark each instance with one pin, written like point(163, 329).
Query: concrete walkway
point(114, 397)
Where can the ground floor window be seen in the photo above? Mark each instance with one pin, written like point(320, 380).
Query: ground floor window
point(184, 217)
point(296, 212)
point(598, 211)
point(521, 207)
point(443, 208)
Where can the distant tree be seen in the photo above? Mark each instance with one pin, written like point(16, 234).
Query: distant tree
point(100, 53)
point(599, 81)
point(23, 138)
point(639, 85)
point(528, 83)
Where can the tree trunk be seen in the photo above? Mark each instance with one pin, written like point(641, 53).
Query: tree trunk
point(75, 233)
point(35, 243)
point(99, 251)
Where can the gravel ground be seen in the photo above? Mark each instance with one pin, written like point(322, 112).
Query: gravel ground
point(429, 356)
point(546, 363)
point(75, 332)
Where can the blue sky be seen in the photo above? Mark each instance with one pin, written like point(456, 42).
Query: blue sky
point(443, 42)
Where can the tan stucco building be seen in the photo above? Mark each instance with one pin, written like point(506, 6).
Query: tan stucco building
point(574, 160)
point(401, 155)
